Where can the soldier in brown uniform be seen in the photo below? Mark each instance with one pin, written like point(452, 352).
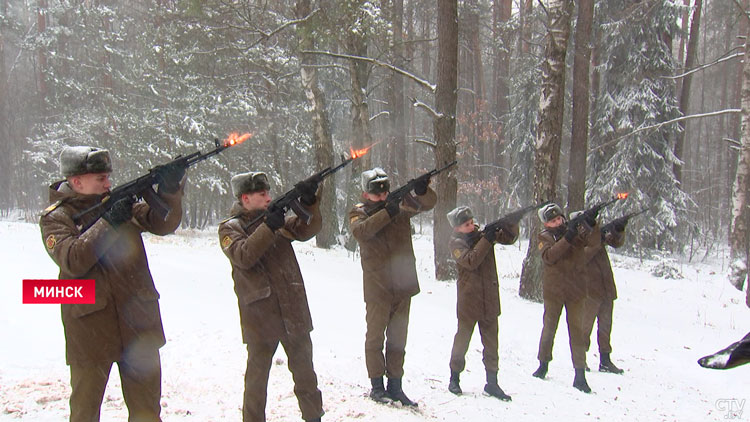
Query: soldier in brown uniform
point(602, 289)
point(478, 294)
point(562, 248)
point(124, 324)
point(270, 291)
point(389, 278)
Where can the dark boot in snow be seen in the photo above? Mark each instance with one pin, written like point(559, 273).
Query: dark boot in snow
point(397, 394)
point(493, 389)
point(378, 391)
point(541, 372)
point(606, 365)
point(454, 386)
point(579, 381)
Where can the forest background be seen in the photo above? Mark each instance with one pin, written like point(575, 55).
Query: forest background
point(571, 101)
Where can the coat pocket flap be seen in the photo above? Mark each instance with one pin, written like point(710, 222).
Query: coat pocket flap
point(249, 296)
point(146, 295)
point(82, 309)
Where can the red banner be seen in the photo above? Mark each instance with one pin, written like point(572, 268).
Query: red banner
point(59, 291)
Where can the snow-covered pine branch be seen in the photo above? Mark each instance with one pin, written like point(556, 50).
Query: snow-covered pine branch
point(658, 125)
point(421, 82)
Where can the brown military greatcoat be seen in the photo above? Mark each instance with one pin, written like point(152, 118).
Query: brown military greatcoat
point(388, 263)
point(564, 272)
point(267, 277)
point(126, 313)
point(478, 289)
point(602, 283)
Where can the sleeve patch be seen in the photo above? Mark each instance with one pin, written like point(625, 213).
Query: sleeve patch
point(226, 241)
point(456, 253)
point(50, 242)
point(541, 245)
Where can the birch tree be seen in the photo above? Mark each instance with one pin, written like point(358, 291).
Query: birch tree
point(549, 133)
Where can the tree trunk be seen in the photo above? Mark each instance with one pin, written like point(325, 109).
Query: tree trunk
point(738, 237)
point(356, 45)
point(549, 134)
point(397, 126)
point(502, 10)
point(692, 51)
point(527, 7)
point(5, 144)
point(581, 94)
point(41, 26)
point(322, 141)
point(683, 40)
point(444, 128)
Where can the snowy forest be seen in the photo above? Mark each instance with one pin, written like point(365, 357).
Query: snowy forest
point(570, 101)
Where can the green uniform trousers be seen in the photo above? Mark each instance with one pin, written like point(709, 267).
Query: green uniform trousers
point(580, 317)
point(140, 375)
point(488, 333)
point(260, 353)
point(604, 326)
point(389, 323)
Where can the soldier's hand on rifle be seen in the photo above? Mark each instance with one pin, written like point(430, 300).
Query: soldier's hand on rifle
point(572, 232)
point(120, 212)
point(274, 218)
point(392, 207)
point(490, 235)
point(420, 188)
point(584, 230)
point(307, 190)
point(170, 175)
point(590, 218)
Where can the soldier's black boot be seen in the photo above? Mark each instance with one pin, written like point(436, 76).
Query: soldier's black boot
point(606, 365)
point(541, 372)
point(493, 389)
point(378, 391)
point(579, 381)
point(454, 386)
point(397, 394)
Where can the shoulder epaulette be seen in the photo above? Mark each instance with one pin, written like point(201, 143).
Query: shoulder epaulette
point(231, 217)
point(52, 207)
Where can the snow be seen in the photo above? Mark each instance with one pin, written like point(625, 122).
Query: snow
point(661, 328)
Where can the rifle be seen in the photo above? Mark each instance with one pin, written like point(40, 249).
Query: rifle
point(621, 221)
point(402, 192)
point(591, 213)
point(143, 186)
point(512, 217)
point(290, 200)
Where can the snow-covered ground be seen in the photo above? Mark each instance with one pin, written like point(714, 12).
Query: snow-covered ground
point(661, 327)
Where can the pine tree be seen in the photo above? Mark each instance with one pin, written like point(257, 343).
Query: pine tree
point(636, 56)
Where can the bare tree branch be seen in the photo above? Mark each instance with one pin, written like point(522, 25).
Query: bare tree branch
point(742, 9)
point(430, 144)
point(720, 60)
point(416, 103)
point(658, 125)
point(732, 142)
point(421, 82)
point(382, 113)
